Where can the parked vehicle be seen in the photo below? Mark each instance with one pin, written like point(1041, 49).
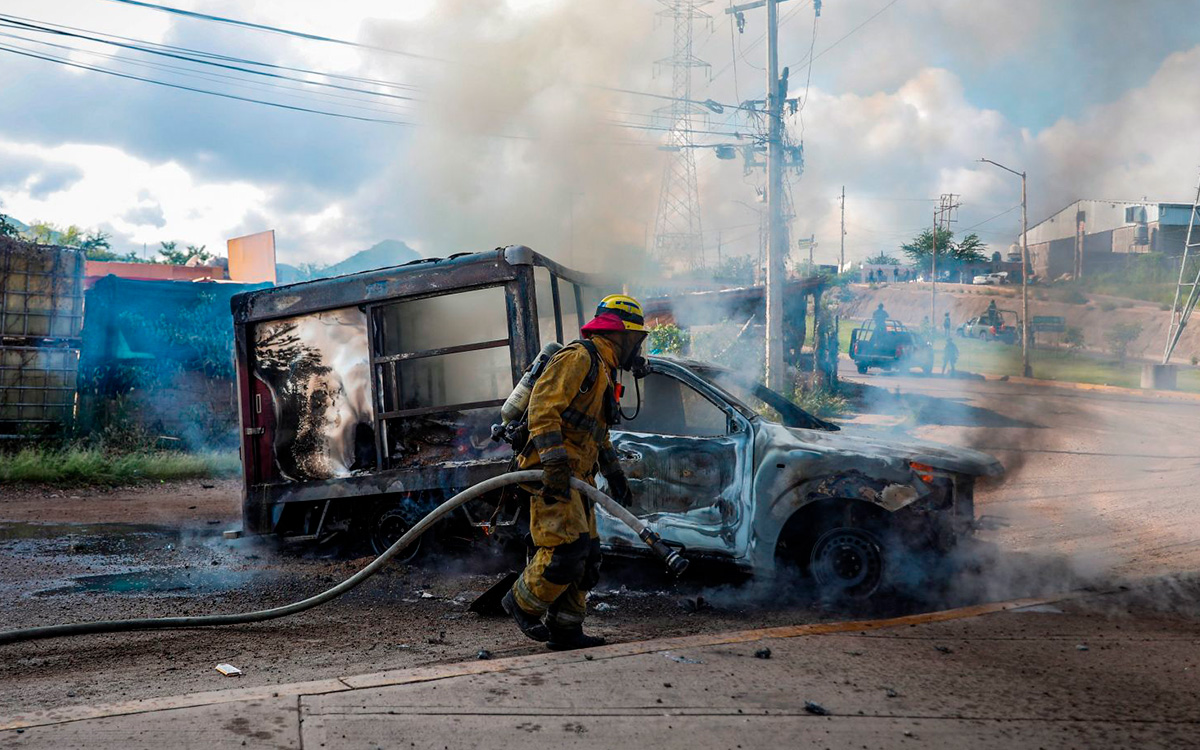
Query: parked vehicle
point(894, 347)
point(367, 399)
point(999, 277)
point(1003, 326)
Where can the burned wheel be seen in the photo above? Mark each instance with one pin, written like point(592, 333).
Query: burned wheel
point(388, 526)
point(847, 563)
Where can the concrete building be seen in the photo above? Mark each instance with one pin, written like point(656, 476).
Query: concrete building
point(1091, 236)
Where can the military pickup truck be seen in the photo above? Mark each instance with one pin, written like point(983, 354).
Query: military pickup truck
point(890, 347)
point(367, 399)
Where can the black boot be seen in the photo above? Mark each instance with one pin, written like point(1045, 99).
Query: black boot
point(529, 624)
point(566, 639)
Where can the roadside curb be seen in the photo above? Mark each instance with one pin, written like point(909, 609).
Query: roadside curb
point(436, 672)
point(1115, 389)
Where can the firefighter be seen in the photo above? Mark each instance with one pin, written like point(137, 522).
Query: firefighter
point(573, 403)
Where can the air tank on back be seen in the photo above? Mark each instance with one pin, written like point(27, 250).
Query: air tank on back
point(517, 401)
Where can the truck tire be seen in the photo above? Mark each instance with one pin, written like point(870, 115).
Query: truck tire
point(391, 522)
point(848, 563)
point(862, 369)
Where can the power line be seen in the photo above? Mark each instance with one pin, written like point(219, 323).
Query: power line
point(128, 76)
point(214, 77)
point(997, 216)
point(212, 55)
point(21, 25)
point(848, 33)
point(223, 95)
point(274, 29)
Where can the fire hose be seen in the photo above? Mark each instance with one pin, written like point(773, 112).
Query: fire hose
point(674, 561)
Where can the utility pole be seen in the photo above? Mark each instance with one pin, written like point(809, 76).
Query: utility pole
point(777, 159)
point(777, 243)
point(942, 215)
point(1026, 368)
point(842, 255)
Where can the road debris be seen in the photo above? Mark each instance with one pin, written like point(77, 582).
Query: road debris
point(1081, 647)
point(891, 693)
point(762, 653)
point(945, 649)
point(693, 604)
point(681, 659)
point(816, 709)
point(483, 654)
point(228, 670)
point(603, 607)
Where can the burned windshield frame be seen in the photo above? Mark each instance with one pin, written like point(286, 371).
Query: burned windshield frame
point(710, 375)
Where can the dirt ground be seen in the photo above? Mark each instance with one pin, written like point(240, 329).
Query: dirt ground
point(1100, 492)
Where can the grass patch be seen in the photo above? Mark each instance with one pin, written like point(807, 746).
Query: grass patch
point(820, 401)
point(90, 466)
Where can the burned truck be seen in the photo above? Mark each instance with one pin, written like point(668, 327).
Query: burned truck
point(368, 399)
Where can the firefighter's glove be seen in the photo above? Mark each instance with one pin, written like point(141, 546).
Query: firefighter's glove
point(618, 485)
point(557, 482)
point(618, 488)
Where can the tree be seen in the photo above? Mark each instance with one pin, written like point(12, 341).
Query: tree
point(176, 257)
point(920, 250)
point(95, 246)
point(6, 229)
point(42, 232)
point(72, 236)
point(883, 259)
point(1120, 336)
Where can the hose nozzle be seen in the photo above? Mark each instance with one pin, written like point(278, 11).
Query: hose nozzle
point(676, 563)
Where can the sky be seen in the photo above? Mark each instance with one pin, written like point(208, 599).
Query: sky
point(501, 125)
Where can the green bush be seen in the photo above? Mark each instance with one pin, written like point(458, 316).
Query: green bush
point(668, 339)
point(1107, 306)
point(1073, 338)
point(1120, 336)
point(1071, 296)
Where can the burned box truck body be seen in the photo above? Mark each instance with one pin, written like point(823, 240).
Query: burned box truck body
point(367, 399)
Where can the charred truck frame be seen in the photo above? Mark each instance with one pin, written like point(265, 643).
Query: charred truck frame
point(368, 399)
point(361, 391)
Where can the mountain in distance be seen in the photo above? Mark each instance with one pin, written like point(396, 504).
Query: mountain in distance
point(379, 255)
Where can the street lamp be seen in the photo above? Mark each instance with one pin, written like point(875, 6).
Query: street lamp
point(1026, 370)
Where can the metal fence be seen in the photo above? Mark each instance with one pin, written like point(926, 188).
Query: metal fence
point(41, 318)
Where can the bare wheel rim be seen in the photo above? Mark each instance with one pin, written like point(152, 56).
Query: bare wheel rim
point(389, 526)
point(847, 562)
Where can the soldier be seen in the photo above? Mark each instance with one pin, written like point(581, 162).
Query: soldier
point(572, 405)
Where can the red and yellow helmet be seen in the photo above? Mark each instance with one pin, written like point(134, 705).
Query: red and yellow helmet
point(617, 312)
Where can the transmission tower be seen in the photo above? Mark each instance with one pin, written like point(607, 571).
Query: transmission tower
point(1186, 291)
point(678, 241)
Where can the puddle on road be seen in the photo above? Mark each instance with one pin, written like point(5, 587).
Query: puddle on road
point(153, 582)
point(99, 538)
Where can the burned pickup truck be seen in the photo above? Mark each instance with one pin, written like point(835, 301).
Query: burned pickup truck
point(368, 399)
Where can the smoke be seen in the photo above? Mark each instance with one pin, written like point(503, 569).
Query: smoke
point(514, 145)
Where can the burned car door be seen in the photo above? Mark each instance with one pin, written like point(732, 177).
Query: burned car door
point(686, 454)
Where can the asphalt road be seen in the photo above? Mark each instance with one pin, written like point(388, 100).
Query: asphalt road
point(1099, 491)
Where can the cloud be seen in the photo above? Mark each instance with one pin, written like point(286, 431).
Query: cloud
point(141, 201)
point(151, 215)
